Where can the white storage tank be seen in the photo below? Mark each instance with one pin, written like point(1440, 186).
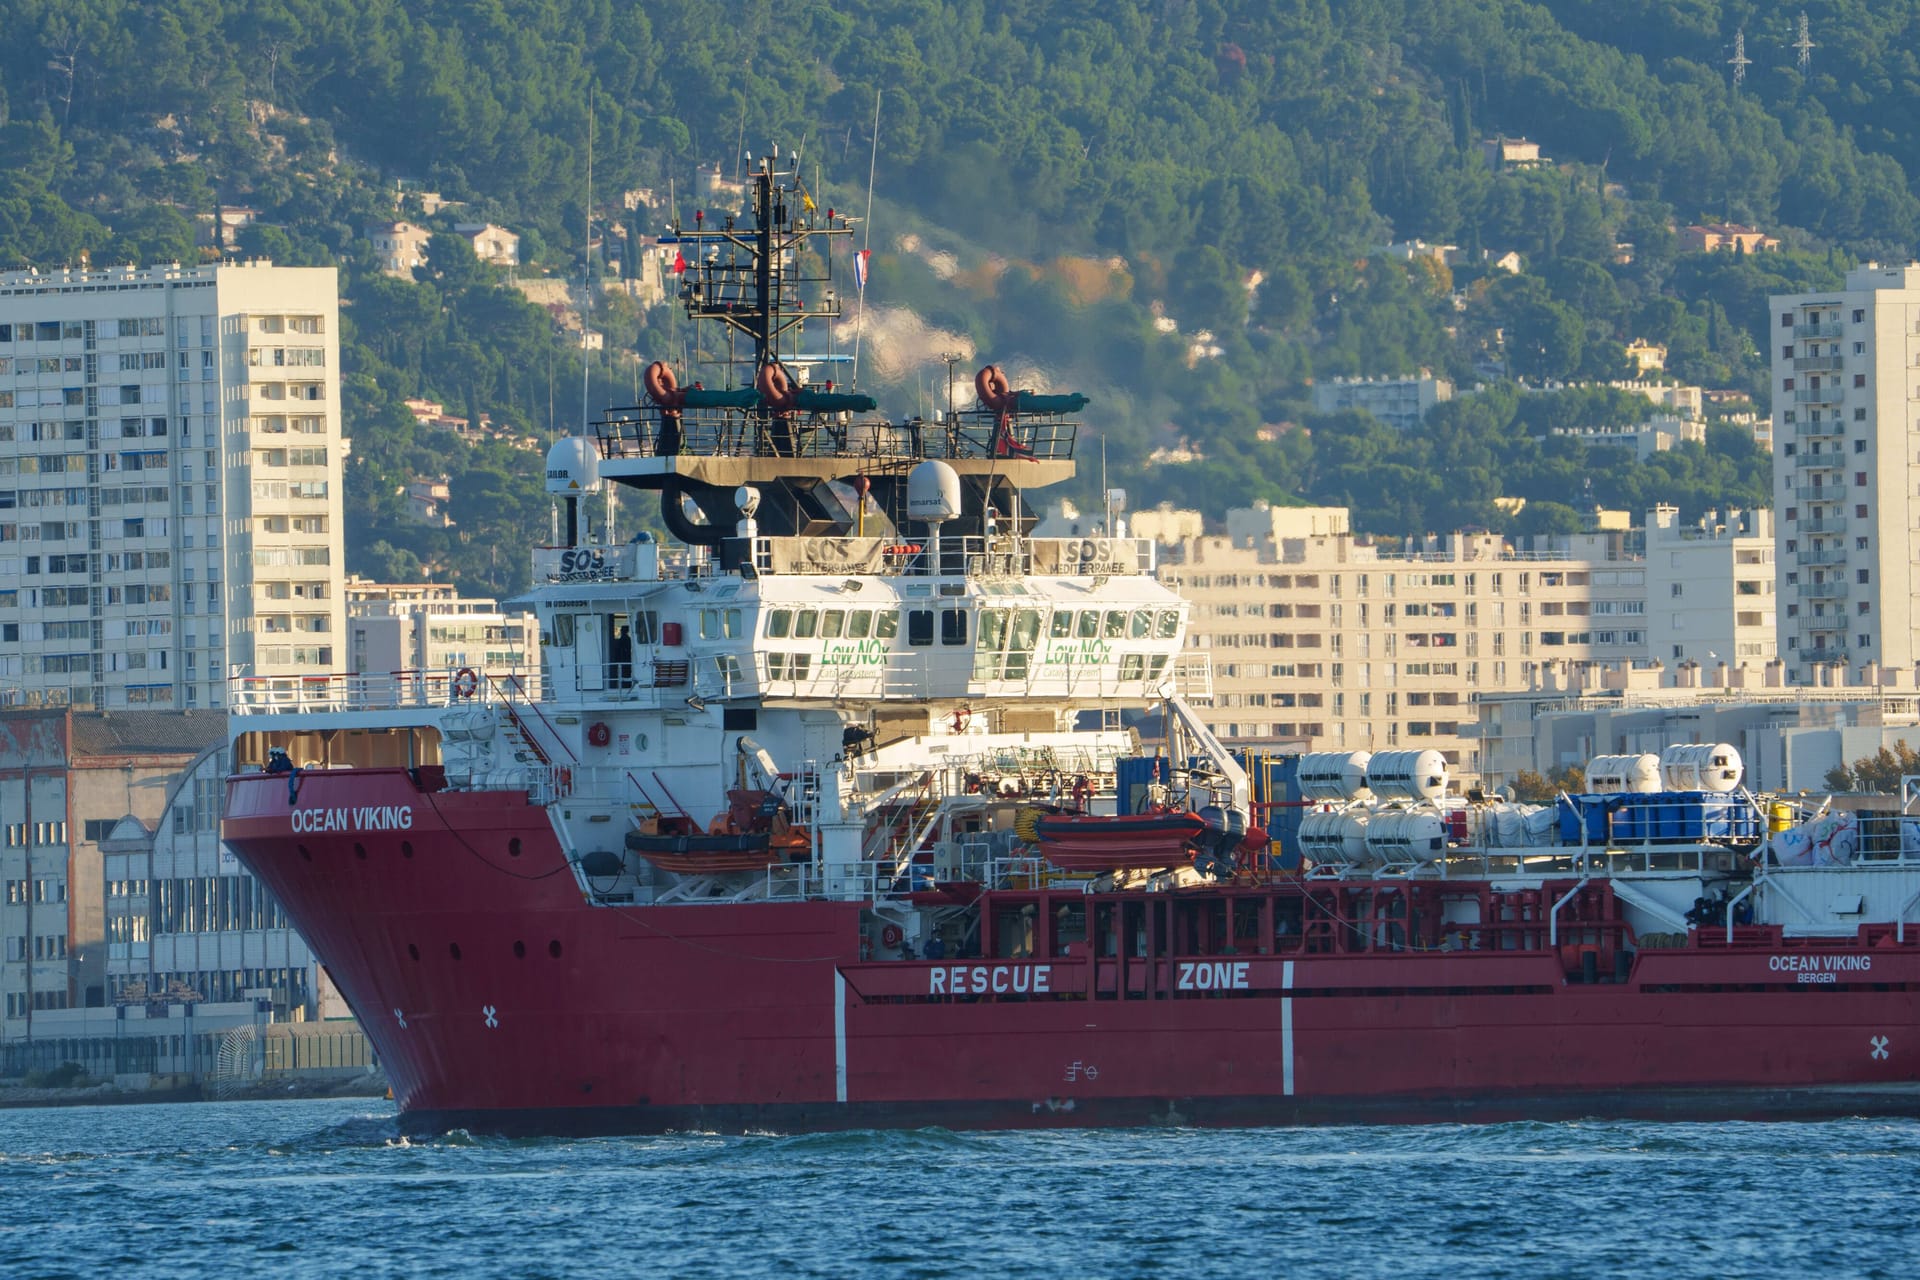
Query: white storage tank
point(1638, 775)
point(1407, 775)
point(1407, 835)
point(1335, 837)
point(1333, 775)
point(1701, 766)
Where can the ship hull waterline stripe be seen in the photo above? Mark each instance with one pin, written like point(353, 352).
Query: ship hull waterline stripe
point(1701, 1105)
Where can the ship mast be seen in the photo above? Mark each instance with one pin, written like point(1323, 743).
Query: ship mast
point(750, 280)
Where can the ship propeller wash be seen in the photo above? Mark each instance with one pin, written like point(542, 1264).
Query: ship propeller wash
point(859, 805)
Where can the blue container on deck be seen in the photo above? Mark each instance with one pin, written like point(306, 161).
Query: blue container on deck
point(1133, 775)
point(1275, 783)
point(1590, 813)
point(1665, 817)
point(1695, 816)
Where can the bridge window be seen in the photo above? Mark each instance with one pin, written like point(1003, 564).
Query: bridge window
point(859, 624)
point(1089, 625)
point(1132, 666)
point(789, 666)
point(1142, 624)
point(719, 624)
point(806, 624)
point(833, 622)
point(953, 626)
point(920, 627)
point(646, 627)
point(886, 624)
point(779, 624)
point(1061, 628)
point(986, 656)
point(1116, 624)
point(1167, 625)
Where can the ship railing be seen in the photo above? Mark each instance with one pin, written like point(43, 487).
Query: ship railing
point(644, 431)
point(370, 691)
point(973, 555)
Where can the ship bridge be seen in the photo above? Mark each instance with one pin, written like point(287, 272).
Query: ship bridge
point(830, 618)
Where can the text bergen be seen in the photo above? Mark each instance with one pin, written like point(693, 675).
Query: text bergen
point(1819, 969)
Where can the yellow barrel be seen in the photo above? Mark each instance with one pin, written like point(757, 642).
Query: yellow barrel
point(1779, 816)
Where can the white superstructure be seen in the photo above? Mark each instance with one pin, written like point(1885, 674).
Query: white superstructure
point(170, 462)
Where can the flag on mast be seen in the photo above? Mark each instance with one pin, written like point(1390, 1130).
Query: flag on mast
point(860, 269)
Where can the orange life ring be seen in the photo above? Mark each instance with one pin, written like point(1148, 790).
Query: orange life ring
point(776, 387)
point(662, 387)
point(890, 936)
point(995, 392)
point(466, 682)
point(599, 734)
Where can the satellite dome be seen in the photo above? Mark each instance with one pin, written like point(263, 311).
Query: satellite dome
point(933, 492)
point(573, 467)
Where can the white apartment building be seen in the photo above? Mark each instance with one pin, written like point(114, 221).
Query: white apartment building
point(426, 627)
point(170, 461)
point(1398, 402)
point(1320, 641)
point(1711, 594)
point(1846, 370)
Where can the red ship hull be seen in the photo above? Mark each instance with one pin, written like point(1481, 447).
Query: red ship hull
point(498, 998)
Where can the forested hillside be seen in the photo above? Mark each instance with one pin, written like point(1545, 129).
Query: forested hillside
point(1085, 191)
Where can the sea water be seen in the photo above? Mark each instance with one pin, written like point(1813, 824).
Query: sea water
point(327, 1189)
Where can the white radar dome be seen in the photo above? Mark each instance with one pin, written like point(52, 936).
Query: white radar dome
point(1333, 775)
point(1701, 766)
point(1637, 775)
point(1408, 775)
point(573, 467)
point(933, 492)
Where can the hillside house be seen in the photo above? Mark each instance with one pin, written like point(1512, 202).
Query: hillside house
point(1726, 237)
point(401, 246)
point(496, 245)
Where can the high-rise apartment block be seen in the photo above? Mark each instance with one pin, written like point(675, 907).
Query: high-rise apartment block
point(1846, 476)
point(170, 460)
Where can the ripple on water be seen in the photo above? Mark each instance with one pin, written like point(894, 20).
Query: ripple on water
point(324, 1188)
